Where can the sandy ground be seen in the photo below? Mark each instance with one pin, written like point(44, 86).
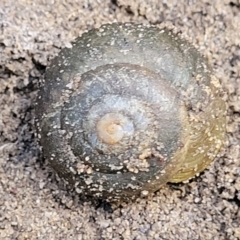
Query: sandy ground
point(33, 204)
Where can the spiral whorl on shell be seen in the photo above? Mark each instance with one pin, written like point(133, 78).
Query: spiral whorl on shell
point(128, 108)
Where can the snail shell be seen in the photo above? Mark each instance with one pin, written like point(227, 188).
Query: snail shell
point(128, 108)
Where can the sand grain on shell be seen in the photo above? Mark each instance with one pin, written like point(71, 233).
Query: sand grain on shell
point(33, 205)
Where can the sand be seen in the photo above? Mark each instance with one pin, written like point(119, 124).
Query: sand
point(34, 204)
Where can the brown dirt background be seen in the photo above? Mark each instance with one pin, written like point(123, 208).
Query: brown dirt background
point(33, 205)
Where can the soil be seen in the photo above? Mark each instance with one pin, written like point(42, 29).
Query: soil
point(34, 204)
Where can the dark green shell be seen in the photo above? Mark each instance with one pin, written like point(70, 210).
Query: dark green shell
point(128, 108)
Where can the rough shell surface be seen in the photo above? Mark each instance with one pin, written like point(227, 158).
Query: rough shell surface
point(128, 108)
